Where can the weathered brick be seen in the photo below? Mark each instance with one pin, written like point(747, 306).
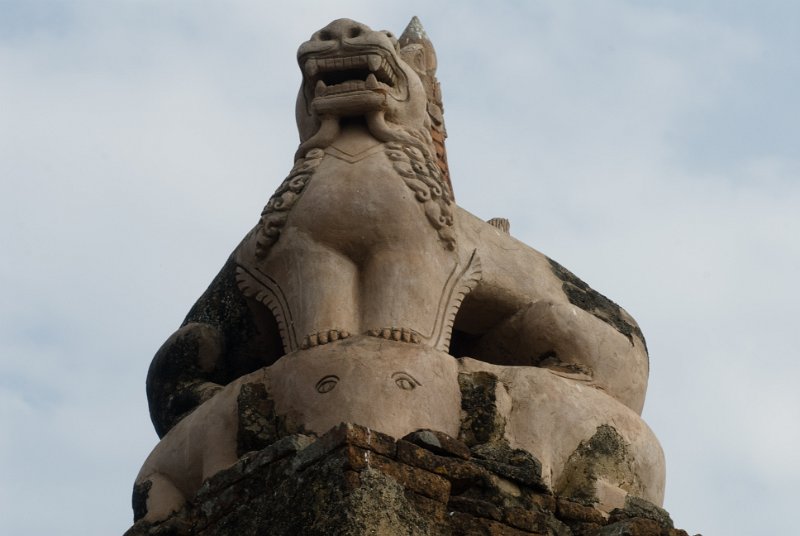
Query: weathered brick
point(413, 478)
point(514, 464)
point(525, 519)
point(431, 509)
point(346, 433)
point(544, 501)
point(375, 441)
point(468, 525)
point(580, 528)
point(352, 480)
point(637, 507)
point(677, 532)
point(637, 526)
point(439, 443)
point(461, 473)
point(475, 507)
point(571, 511)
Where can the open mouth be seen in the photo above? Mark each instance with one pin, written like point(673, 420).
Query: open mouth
point(340, 75)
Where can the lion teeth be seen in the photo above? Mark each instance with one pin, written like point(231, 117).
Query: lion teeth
point(372, 82)
point(311, 68)
point(386, 68)
point(374, 62)
point(379, 74)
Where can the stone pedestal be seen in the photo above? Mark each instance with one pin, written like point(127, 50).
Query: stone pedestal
point(356, 481)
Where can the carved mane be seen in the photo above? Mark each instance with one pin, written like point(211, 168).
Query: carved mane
point(416, 165)
point(418, 155)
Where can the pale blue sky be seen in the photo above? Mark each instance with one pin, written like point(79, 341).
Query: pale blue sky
point(651, 147)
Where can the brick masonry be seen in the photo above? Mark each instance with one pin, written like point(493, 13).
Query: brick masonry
point(356, 481)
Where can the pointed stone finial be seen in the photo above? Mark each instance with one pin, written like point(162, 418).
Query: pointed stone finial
point(415, 34)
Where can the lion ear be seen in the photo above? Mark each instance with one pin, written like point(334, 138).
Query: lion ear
point(414, 55)
point(417, 51)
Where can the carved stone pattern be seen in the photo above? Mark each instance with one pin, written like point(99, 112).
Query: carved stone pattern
point(274, 215)
point(264, 289)
point(467, 280)
point(423, 176)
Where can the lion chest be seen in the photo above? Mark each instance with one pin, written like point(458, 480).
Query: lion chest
point(358, 204)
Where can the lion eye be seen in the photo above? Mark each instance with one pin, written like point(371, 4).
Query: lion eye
point(404, 381)
point(326, 384)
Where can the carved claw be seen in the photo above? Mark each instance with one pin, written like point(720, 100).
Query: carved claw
point(323, 337)
point(396, 334)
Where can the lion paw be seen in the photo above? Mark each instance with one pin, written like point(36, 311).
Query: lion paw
point(323, 337)
point(396, 334)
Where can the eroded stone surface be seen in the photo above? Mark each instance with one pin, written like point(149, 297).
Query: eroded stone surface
point(347, 482)
point(439, 443)
point(590, 446)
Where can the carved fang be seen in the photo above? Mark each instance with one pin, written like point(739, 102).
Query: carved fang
point(320, 89)
point(311, 68)
point(414, 32)
point(374, 62)
point(372, 82)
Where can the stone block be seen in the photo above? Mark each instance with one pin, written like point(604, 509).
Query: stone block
point(573, 511)
point(636, 507)
point(632, 527)
point(524, 519)
point(476, 507)
point(461, 473)
point(439, 443)
point(412, 478)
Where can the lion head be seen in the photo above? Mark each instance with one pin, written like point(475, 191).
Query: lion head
point(353, 72)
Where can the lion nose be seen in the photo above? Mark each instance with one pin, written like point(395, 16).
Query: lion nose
point(342, 29)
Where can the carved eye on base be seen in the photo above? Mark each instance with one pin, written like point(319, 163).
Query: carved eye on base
point(326, 384)
point(405, 381)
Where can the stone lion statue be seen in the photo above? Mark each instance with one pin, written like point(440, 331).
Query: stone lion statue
point(365, 294)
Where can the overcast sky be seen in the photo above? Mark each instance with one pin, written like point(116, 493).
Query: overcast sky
point(650, 147)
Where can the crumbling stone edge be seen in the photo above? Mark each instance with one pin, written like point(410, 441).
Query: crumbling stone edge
point(354, 480)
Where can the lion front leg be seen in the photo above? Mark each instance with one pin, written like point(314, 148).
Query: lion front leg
point(405, 293)
point(314, 291)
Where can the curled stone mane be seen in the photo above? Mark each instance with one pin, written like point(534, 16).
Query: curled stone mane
point(274, 215)
point(423, 176)
point(411, 156)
